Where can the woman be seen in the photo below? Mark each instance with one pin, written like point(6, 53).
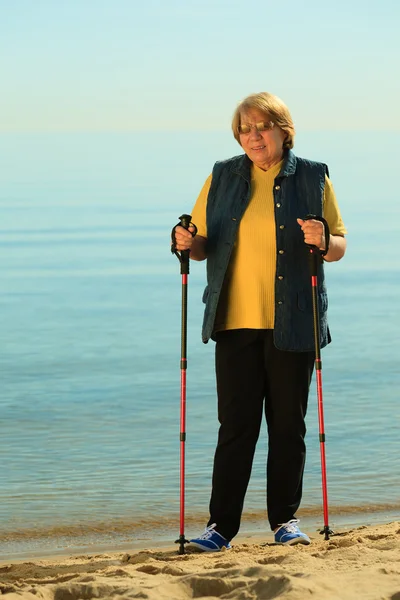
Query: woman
point(250, 228)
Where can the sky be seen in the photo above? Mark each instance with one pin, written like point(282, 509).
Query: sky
point(127, 65)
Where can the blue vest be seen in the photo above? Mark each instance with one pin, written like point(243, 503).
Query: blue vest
point(298, 191)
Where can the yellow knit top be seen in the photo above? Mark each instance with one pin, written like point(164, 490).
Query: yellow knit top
point(248, 294)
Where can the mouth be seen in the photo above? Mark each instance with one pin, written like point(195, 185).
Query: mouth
point(258, 147)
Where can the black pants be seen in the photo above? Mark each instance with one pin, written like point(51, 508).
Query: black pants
point(250, 370)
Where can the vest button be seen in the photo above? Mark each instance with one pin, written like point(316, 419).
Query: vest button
point(280, 277)
point(281, 227)
point(280, 302)
point(277, 187)
point(281, 252)
point(278, 204)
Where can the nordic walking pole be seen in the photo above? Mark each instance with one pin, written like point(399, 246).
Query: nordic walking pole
point(183, 257)
point(315, 258)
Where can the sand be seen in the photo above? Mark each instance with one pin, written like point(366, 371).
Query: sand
point(358, 563)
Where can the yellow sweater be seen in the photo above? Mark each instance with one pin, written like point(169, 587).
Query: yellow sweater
point(248, 295)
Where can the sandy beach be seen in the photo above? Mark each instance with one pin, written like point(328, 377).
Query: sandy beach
point(356, 563)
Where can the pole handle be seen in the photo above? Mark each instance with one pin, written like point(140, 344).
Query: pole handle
point(185, 220)
point(316, 254)
point(326, 233)
point(183, 256)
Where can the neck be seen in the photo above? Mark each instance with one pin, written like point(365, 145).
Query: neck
point(267, 165)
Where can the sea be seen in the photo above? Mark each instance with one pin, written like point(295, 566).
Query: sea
point(90, 329)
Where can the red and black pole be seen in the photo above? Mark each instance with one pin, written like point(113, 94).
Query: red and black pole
point(183, 256)
point(315, 258)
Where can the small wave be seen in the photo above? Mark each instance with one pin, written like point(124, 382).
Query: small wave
point(159, 524)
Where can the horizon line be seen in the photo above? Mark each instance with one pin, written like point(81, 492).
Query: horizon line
point(197, 130)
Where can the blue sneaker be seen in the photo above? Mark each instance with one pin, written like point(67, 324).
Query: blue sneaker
point(210, 541)
point(289, 533)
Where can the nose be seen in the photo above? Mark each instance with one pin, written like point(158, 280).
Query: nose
point(254, 133)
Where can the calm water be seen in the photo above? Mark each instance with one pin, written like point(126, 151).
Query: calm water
point(90, 332)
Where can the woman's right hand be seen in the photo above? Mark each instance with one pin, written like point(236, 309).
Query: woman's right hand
point(184, 237)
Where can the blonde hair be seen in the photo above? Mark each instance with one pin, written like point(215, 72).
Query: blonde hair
point(274, 109)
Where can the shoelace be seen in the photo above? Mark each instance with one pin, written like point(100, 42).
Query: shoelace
point(291, 526)
point(207, 532)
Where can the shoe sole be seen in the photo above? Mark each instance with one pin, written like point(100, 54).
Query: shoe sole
point(294, 541)
point(203, 549)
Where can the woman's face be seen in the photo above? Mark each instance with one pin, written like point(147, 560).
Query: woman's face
point(264, 148)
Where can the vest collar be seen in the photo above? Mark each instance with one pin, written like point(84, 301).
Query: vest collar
point(242, 166)
point(289, 164)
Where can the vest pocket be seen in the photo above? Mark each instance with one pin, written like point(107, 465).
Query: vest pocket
point(304, 301)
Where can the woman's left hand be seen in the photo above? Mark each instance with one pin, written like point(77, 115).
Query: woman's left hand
point(314, 232)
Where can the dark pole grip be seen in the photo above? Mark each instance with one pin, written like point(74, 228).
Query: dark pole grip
point(326, 234)
point(315, 254)
point(185, 223)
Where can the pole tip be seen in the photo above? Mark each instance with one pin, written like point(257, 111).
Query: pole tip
point(182, 541)
point(326, 531)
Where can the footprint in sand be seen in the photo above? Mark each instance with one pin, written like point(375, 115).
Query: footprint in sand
point(149, 569)
point(212, 586)
point(225, 565)
point(272, 560)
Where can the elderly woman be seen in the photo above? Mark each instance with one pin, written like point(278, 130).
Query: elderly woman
point(258, 309)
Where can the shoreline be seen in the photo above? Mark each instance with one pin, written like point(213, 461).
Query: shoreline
point(363, 562)
point(254, 527)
